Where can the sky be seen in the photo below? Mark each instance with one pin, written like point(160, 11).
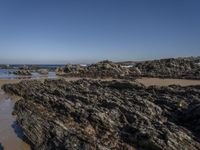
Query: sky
point(84, 31)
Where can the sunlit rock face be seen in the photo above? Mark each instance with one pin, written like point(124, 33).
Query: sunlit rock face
point(182, 68)
point(187, 68)
point(91, 114)
point(103, 69)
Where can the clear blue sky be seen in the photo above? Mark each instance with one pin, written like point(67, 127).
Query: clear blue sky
point(61, 31)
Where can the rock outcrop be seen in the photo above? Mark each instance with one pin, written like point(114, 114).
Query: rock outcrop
point(187, 68)
point(22, 72)
point(70, 70)
point(103, 69)
point(183, 68)
point(121, 115)
point(43, 71)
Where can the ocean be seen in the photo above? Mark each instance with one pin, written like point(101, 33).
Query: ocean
point(7, 73)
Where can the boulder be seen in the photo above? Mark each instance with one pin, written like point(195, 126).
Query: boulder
point(43, 71)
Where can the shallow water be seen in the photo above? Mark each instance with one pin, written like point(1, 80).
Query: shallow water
point(7, 74)
point(11, 135)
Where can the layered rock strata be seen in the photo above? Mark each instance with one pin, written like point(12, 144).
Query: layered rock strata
point(88, 114)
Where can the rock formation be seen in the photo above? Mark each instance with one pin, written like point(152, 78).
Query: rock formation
point(43, 71)
point(67, 70)
point(22, 72)
point(121, 115)
point(184, 68)
point(188, 68)
point(103, 69)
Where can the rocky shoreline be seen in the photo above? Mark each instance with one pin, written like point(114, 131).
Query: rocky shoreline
point(103, 69)
point(94, 114)
point(182, 68)
point(179, 68)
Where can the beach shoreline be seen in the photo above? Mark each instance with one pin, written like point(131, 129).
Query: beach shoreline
point(144, 80)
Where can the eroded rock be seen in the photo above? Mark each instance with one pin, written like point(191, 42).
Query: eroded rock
point(88, 114)
point(22, 72)
point(103, 69)
point(43, 71)
point(187, 68)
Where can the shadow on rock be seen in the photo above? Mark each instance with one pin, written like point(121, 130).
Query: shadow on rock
point(1, 147)
point(20, 134)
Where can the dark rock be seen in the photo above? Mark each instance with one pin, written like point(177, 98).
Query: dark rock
point(184, 68)
point(187, 68)
point(22, 72)
point(91, 114)
point(104, 69)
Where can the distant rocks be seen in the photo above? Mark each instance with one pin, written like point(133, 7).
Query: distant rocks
point(28, 72)
point(187, 68)
point(183, 68)
point(103, 69)
point(43, 71)
point(92, 114)
point(69, 69)
point(22, 72)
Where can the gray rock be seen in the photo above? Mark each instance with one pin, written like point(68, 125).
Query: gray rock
point(187, 68)
point(43, 71)
point(22, 72)
point(88, 114)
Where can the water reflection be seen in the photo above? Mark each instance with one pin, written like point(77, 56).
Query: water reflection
point(19, 132)
point(11, 135)
point(1, 147)
point(8, 74)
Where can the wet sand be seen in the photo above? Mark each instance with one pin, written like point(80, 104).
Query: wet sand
point(5, 81)
point(166, 82)
point(11, 135)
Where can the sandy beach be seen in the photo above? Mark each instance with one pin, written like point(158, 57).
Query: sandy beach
point(145, 81)
point(11, 133)
point(166, 82)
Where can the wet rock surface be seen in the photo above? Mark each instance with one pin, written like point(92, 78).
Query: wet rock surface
point(88, 114)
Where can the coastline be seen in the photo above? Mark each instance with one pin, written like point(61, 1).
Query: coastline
point(144, 80)
point(12, 136)
point(11, 128)
point(56, 106)
point(166, 82)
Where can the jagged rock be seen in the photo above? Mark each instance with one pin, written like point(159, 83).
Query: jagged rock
point(91, 114)
point(170, 68)
point(186, 68)
point(43, 71)
point(104, 69)
point(22, 72)
point(69, 70)
point(135, 71)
